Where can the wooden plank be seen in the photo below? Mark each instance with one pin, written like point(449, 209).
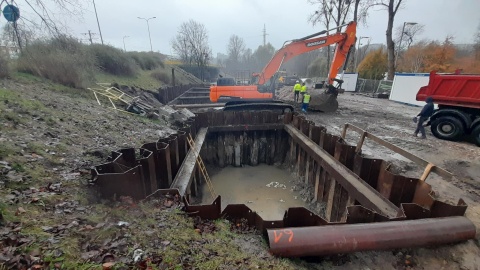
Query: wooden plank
point(442, 172)
point(357, 188)
point(183, 178)
point(330, 201)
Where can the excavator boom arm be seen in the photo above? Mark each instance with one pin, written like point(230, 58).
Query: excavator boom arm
point(296, 47)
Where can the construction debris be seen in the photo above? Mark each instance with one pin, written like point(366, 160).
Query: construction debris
point(120, 100)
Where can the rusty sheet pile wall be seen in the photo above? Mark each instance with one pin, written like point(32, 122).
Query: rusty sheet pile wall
point(238, 148)
point(257, 137)
point(354, 188)
point(404, 198)
point(138, 172)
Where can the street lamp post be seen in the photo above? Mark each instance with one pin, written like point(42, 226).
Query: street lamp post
point(358, 51)
point(148, 26)
point(124, 43)
point(401, 38)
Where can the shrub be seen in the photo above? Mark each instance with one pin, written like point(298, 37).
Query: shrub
point(374, 65)
point(62, 59)
point(147, 60)
point(4, 65)
point(113, 60)
point(161, 76)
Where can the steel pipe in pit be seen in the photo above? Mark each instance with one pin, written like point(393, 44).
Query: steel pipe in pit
point(337, 239)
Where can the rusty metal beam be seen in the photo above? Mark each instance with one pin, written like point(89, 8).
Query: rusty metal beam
point(335, 239)
point(182, 179)
point(356, 187)
point(429, 167)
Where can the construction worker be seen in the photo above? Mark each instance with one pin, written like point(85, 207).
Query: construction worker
point(423, 116)
point(296, 90)
point(306, 101)
point(303, 90)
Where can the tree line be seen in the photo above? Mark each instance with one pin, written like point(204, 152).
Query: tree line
point(330, 13)
point(424, 56)
point(192, 46)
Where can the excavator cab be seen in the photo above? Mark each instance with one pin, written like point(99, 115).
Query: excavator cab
point(225, 81)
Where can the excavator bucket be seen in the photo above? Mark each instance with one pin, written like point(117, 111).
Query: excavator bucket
point(323, 101)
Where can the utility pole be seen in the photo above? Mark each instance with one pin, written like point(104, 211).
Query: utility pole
point(124, 43)
point(98, 22)
point(264, 35)
point(90, 34)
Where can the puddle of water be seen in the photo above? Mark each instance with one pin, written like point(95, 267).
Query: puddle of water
point(265, 189)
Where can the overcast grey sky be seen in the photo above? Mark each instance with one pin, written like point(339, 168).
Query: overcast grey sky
point(284, 20)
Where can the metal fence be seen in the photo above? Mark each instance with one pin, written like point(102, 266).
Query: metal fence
point(373, 87)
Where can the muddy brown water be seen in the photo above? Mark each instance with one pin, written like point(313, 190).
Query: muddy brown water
point(267, 190)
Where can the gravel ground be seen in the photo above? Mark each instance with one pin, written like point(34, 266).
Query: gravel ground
point(392, 122)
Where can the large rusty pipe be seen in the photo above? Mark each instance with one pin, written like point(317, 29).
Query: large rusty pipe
point(335, 239)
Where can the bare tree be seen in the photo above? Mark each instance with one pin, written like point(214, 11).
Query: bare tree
point(43, 19)
point(23, 34)
point(339, 12)
point(392, 6)
point(335, 11)
point(476, 46)
point(404, 41)
point(409, 35)
point(417, 56)
point(360, 13)
point(322, 15)
point(235, 48)
point(191, 44)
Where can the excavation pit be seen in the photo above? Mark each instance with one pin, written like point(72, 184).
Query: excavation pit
point(355, 191)
point(248, 167)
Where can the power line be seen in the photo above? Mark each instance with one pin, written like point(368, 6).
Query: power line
point(264, 35)
point(90, 34)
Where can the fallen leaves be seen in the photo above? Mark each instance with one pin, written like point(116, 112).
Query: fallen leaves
point(241, 226)
point(204, 226)
point(20, 211)
point(108, 265)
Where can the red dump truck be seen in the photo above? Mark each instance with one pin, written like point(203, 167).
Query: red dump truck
point(458, 99)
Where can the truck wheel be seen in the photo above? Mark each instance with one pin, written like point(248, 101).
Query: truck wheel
point(447, 128)
point(476, 134)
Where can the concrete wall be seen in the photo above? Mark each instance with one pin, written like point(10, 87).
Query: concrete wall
point(406, 85)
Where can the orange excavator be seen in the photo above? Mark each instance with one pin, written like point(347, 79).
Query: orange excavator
point(263, 87)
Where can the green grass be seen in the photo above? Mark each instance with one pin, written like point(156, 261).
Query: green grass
point(6, 149)
point(143, 79)
point(26, 78)
point(8, 98)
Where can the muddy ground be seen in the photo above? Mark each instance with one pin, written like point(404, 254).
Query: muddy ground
point(52, 218)
point(392, 121)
